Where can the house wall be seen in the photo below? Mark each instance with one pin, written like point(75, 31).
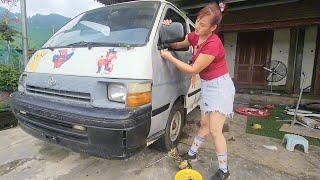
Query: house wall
point(309, 50)
point(230, 44)
point(280, 49)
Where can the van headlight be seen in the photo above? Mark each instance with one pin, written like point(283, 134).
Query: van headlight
point(132, 94)
point(139, 94)
point(22, 83)
point(117, 92)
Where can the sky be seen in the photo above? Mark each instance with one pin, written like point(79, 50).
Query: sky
point(68, 8)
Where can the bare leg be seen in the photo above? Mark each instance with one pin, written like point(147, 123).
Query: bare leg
point(204, 130)
point(216, 125)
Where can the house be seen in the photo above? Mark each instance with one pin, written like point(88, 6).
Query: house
point(258, 32)
point(287, 31)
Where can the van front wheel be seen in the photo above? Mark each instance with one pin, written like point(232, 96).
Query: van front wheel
point(173, 129)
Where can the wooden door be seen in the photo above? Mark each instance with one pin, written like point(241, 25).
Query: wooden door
point(253, 52)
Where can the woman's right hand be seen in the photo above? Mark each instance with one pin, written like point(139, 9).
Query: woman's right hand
point(167, 22)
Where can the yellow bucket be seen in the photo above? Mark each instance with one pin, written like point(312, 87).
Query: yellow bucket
point(188, 174)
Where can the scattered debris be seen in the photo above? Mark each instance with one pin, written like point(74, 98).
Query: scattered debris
point(288, 120)
point(273, 148)
point(305, 115)
point(312, 123)
point(303, 131)
point(232, 139)
point(253, 112)
point(243, 103)
point(151, 164)
point(270, 106)
point(174, 154)
point(257, 106)
point(256, 126)
point(183, 164)
point(313, 106)
point(299, 111)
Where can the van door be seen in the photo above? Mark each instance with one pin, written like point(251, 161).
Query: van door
point(193, 97)
point(184, 55)
point(169, 82)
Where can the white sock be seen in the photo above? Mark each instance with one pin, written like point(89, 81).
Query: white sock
point(195, 145)
point(222, 159)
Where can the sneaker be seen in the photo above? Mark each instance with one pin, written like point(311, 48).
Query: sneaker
point(186, 156)
point(220, 175)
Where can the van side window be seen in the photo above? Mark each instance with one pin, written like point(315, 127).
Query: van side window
point(175, 17)
point(191, 28)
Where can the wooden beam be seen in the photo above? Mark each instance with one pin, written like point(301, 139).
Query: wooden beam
point(194, 6)
point(233, 1)
point(291, 59)
point(256, 5)
point(270, 25)
point(253, 5)
point(316, 70)
point(303, 131)
point(298, 61)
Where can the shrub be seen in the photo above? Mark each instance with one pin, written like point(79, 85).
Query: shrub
point(9, 77)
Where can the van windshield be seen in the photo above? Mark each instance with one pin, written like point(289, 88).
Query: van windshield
point(126, 24)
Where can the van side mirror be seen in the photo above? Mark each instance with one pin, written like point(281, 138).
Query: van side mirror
point(171, 34)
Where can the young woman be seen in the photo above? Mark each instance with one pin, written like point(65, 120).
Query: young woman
point(217, 88)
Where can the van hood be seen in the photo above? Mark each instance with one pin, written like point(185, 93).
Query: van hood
point(110, 62)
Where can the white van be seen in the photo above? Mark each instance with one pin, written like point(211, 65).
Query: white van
point(100, 86)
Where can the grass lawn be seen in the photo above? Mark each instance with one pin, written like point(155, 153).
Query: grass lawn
point(270, 127)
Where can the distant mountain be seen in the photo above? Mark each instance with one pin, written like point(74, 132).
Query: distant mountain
point(48, 20)
point(40, 27)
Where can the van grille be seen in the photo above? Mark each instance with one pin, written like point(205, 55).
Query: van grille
point(54, 126)
point(79, 96)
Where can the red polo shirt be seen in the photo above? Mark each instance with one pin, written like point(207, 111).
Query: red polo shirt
point(214, 47)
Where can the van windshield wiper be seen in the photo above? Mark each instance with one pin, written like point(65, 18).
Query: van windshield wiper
point(98, 44)
point(84, 44)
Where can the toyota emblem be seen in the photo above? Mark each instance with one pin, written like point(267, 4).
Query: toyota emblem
point(52, 82)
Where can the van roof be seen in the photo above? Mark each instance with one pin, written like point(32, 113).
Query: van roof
point(162, 1)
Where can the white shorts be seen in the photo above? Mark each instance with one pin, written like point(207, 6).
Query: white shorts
point(217, 95)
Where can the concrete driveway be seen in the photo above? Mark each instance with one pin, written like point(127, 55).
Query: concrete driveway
point(24, 157)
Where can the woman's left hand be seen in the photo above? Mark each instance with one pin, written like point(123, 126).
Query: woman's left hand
point(165, 54)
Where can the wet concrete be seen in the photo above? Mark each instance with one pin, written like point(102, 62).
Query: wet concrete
point(24, 157)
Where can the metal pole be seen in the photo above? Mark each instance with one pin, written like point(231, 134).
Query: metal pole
point(299, 100)
point(24, 31)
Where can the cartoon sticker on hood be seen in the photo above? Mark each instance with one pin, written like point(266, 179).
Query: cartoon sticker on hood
point(62, 57)
point(107, 62)
point(110, 62)
point(35, 61)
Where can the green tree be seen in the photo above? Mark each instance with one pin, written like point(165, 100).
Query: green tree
point(7, 33)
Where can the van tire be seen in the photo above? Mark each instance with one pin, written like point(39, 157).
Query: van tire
point(177, 113)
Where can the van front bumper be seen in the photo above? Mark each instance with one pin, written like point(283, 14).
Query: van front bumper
point(109, 133)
